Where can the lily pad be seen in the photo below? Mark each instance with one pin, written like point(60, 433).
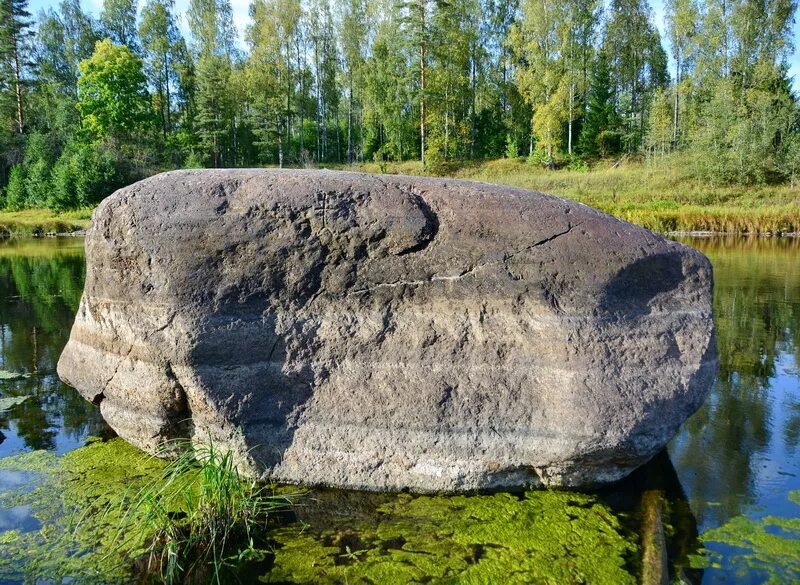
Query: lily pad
point(7, 403)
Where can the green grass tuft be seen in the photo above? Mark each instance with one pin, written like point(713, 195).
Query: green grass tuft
point(199, 516)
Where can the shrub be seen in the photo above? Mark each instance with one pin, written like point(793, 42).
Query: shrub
point(512, 148)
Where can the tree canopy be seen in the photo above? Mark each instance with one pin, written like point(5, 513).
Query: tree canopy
point(344, 81)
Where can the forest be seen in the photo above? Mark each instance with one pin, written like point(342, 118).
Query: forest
point(91, 104)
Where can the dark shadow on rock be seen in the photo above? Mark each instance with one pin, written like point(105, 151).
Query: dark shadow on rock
point(635, 286)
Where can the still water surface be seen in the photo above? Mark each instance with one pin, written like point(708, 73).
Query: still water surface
point(735, 464)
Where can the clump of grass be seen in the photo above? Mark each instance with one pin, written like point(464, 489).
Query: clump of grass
point(200, 517)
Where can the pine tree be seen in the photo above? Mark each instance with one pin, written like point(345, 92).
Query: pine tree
point(15, 54)
point(211, 23)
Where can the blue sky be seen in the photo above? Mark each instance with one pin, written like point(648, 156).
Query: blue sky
point(241, 18)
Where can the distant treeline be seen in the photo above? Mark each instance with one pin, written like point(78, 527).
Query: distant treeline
point(88, 105)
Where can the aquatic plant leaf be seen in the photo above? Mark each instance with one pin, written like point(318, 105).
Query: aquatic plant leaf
point(6, 375)
point(8, 402)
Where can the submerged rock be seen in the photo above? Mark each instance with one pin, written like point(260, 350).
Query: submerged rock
point(389, 333)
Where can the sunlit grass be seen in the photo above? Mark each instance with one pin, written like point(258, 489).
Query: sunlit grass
point(30, 222)
point(663, 195)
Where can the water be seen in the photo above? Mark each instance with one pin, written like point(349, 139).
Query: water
point(726, 477)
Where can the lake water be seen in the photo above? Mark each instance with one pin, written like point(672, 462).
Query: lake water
point(726, 487)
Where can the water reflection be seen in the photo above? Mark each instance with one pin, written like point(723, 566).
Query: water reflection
point(736, 452)
point(40, 287)
point(736, 456)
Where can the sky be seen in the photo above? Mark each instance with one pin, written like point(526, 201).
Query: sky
point(241, 18)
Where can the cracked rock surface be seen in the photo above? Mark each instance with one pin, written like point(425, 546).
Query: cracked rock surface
point(388, 332)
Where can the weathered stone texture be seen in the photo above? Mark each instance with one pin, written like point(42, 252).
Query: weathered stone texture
point(387, 332)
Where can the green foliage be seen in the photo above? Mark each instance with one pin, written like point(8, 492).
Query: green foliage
point(112, 90)
point(738, 136)
point(348, 81)
point(600, 117)
point(38, 162)
point(512, 148)
point(118, 19)
point(193, 161)
point(83, 176)
point(16, 196)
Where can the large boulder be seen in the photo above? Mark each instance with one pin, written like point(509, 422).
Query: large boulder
point(388, 332)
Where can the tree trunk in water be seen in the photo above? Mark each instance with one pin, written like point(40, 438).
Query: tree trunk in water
point(655, 568)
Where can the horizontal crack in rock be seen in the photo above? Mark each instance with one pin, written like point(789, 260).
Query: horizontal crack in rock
point(465, 273)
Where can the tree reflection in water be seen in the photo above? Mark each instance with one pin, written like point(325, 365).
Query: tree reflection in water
point(740, 440)
point(40, 288)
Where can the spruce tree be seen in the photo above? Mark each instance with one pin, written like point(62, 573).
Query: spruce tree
point(598, 137)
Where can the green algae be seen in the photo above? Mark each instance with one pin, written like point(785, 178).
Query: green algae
point(84, 498)
point(769, 546)
point(78, 502)
point(542, 536)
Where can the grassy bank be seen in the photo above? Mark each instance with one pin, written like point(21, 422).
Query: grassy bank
point(38, 222)
point(662, 196)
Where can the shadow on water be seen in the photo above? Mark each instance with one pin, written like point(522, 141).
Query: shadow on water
point(743, 441)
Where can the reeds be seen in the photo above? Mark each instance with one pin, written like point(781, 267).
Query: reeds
point(199, 517)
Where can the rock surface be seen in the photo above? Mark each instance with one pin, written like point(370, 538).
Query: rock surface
point(388, 333)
